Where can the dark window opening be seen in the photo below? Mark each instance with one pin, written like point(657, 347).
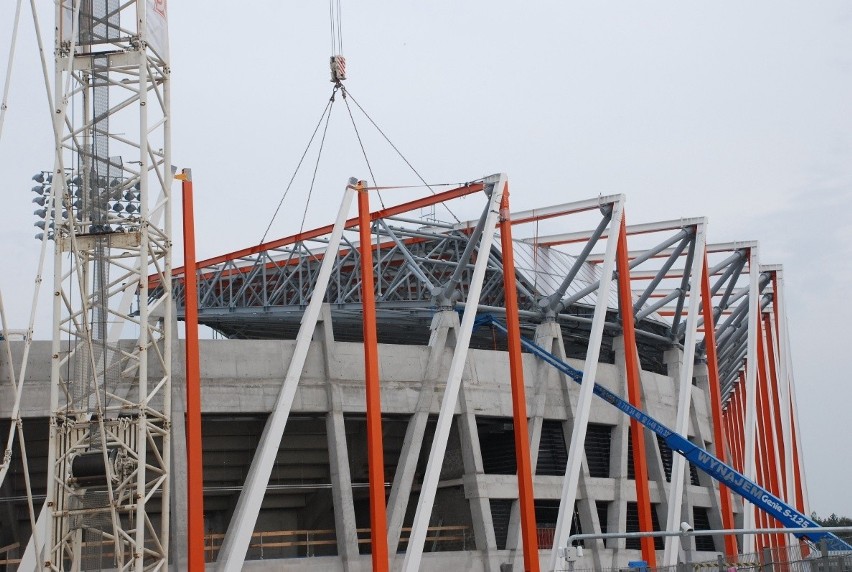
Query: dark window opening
point(598, 446)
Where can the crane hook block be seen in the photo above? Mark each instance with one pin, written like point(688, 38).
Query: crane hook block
point(338, 68)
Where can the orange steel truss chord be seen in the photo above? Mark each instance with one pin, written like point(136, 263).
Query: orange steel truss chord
point(716, 405)
point(194, 466)
point(519, 405)
point(634, 392)
point(375, 450)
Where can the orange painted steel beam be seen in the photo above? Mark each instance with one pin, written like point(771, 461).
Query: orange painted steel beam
point(737, 420)
point(776, 400)
point(194, 465)
point(768, 433)
point(797, 468)
point(634, 392)
point(375, 449)
point(716, 405)
point(800, 496)
point(384, 213)
point(526, 497)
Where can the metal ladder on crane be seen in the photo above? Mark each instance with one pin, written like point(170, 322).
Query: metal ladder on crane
point(702, 459)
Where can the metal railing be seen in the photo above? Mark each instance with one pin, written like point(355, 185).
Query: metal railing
point(323, 542)
point(800, 557)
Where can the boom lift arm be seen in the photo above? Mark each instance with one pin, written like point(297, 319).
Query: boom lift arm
point(716, 469)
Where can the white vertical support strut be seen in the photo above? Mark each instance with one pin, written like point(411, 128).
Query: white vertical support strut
point(233, 551)
point(750, 427)
point(675, 499)
point(576, 449)
point(798, 472)
point(781, 354)
point(429, 487)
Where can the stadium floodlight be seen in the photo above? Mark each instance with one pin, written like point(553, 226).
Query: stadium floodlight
point(39, 200)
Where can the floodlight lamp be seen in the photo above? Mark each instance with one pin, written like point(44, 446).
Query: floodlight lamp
point(39, 236)
point(131, 209)
point(118, 207)
point(77, 181)
point(39, 224)
point(38, 189)
point(39, 200)
point(129, 196)
point(41, 213)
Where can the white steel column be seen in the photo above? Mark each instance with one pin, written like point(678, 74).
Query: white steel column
point(576, 449)
point(414, 552)
point(782, 353)
point(795, 438)
point(685, 394)
point(237, 539)
point(750, 427)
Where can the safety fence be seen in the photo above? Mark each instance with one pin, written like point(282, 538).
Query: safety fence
point(794, 558)
point(323, 542)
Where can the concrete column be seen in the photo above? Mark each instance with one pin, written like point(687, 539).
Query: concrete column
point(444, 326)
point(338, 453)
point(178, 524)
point(480, 507)
point(549, 336)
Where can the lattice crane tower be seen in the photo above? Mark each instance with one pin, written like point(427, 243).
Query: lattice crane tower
point(107, 491)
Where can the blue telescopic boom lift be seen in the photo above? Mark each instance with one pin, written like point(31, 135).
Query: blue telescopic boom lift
point(725, 474)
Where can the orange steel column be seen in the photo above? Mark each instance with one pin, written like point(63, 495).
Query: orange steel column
point(716, 405)
point(800, 496)
point(776, 401)
point(375, 450)
point(768, 432)
point(194, 467)
point(519, 405)
point(634, 393)
point(740, 420)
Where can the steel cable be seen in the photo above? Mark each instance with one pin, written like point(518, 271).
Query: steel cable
point(301, 160)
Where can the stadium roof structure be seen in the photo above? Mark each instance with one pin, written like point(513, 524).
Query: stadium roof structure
point(422, 265)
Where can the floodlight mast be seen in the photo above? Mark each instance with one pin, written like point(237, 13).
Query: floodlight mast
point(109, 441)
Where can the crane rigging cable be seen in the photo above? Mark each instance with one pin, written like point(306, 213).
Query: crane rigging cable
point(348, 94)
point(326, 110)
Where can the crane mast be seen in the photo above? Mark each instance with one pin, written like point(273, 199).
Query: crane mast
point(109, 206)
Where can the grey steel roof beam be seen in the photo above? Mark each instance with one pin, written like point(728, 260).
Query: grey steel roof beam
point(684, 288)
point(726, 300)
point(732, 264)
point(660, 275)
point(723, 331)
point(648, 254)
point(553, 304)
point(447, 296)
point(423, 223)
point(249, 276)
point(648, 310)
point(407, 256)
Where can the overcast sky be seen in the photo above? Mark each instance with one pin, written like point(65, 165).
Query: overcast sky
point(737, 111)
